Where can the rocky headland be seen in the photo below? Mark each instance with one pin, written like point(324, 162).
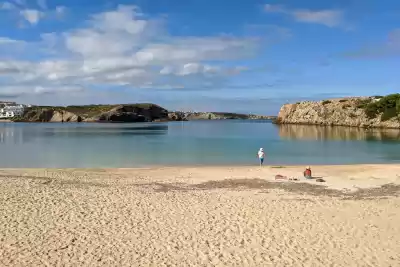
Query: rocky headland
point(366, 112)
point(191, 116)
point(142, 112)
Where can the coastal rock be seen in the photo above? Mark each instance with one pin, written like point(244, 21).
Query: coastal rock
point(95, 113)
point(132, 113)
point(177, 116)
point(338, 112)
point(48, 115)
point(65, 116)
point(36, 115)
point(191, 116)
point(122, 113)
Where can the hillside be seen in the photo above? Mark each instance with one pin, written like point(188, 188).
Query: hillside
point(142, 112)
point(374, 112)
point(190, 116)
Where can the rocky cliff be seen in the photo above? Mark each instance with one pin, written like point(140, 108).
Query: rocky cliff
point(48, 115)
point(121, 113)
point(374, 112)
point(191, 116)
point(95, 113)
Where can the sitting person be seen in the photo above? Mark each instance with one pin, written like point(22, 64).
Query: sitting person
point(307, 173)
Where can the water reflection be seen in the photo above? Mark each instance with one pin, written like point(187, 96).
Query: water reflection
point(112, 130)
point(10, 135)
point(337, 133)
point(25, 133)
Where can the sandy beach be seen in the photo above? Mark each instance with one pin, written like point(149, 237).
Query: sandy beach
point(200, 216)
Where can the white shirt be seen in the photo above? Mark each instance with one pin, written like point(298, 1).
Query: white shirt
point(261, 154)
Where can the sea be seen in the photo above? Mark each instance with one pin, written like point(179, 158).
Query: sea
point(191, 143)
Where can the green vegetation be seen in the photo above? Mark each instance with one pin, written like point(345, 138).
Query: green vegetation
point(342, 100)
point(388, 106)
point(326, 102)
point(231, 115)
point(87, 111)
point(363, 103)
point(16, 118)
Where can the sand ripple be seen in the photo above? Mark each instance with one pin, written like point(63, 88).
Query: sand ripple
point(113, 223)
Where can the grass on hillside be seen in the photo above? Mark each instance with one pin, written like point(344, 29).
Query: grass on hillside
point(387, 107)
point(91, 110)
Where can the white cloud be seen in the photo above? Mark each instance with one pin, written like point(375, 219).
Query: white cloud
point(327, 17)
point(25, 13)
point(122, 47)
point(23, 91)
point(124, 18)
point(32, 15)
point(330, 18)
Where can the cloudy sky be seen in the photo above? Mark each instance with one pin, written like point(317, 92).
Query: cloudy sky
point(219, 55)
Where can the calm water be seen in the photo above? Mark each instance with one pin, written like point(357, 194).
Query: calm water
point(200, 142)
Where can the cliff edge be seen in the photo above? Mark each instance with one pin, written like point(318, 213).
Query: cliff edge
point(194, 116)
point(368, 112)
point(95, 113)
point(141, 112)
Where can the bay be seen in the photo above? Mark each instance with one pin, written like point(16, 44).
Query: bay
point(228, 142)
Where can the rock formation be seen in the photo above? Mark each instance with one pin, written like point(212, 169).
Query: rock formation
point(177, 116)
point(131, 113)
point(100, 113)
point(191, 116)
point(341, 112)
point(49, 115)
point(121, 113)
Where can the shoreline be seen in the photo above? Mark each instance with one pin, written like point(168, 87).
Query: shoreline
point(154, 121)
point(216, 166)
point(351, 177)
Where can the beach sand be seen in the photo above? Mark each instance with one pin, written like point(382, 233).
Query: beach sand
point(200, 216)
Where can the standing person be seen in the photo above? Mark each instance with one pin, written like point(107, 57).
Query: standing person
point(261, 156)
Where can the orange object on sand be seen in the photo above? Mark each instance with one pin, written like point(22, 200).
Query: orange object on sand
point(307, 172)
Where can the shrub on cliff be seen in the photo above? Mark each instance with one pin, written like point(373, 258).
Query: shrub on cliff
point(363, 103)
point(388, 106)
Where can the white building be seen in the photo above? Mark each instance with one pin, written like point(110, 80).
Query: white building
point(11, 110)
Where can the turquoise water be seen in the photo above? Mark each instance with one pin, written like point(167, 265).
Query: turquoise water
point(230, 142)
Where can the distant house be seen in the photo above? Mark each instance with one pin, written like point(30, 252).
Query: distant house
point(9, 110)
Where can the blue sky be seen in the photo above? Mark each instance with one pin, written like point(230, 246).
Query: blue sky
point(239, 56)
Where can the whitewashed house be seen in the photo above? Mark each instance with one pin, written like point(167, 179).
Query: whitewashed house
point(11, 110)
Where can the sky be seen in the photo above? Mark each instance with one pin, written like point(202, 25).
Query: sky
point(247, 56)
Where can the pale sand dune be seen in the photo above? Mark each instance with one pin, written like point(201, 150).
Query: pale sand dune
point(199, 216)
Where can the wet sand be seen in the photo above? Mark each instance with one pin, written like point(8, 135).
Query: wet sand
point(200, 216)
